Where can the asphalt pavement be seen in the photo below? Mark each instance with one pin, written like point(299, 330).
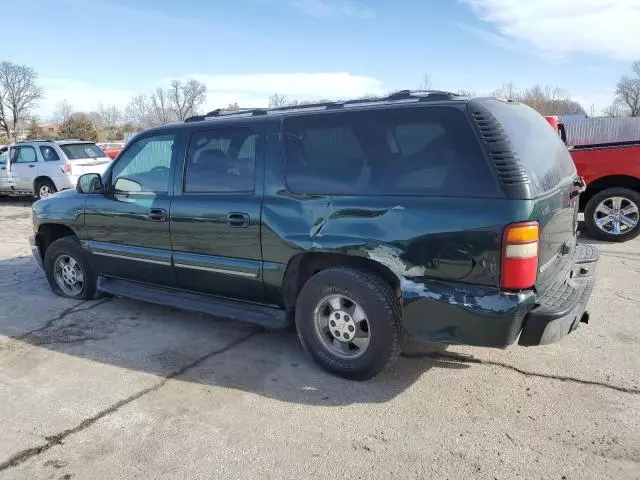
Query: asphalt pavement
point(114, 388)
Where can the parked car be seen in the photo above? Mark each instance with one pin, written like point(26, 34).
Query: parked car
point(111, 149)
point(42, 168)
point(445, 218)
point(611, 201)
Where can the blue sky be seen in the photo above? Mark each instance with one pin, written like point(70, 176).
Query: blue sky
point(105, 51)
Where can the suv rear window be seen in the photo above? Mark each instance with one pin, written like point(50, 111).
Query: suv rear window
point(540, 149)
point(395, 151)
point(74, 151)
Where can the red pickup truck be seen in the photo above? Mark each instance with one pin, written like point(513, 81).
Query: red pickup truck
point(611, 201)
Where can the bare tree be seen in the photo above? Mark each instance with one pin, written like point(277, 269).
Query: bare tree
point(506, 91)
point(19, 93)
point(628, 92)
point(137, 111)
point(62, 111)
point(185, 98)
point(232, 107)
point(160, 112)
point(613, 110)
point(276, 100)
point(426, 82)
point(111, 116)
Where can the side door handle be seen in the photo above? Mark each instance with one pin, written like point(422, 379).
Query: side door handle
point(238, 220)
point(157, 215)
point(32, 166)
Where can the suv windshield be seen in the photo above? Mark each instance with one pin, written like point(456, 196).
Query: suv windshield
point(74, 151)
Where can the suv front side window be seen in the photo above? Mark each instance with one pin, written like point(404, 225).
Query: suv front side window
point(145, 166)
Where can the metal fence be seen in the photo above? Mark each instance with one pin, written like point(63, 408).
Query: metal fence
point(602, 130)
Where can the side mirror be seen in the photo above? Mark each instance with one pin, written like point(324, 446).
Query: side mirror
point(89, 183)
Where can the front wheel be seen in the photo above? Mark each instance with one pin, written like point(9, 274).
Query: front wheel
point(68, 270)
point(613, 215)
point(349, 321)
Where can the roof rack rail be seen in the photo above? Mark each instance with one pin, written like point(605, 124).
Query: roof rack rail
point(418, 95)
point(219, 112)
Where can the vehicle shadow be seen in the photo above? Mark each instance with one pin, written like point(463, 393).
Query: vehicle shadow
point(16, 201)
point(188, 346)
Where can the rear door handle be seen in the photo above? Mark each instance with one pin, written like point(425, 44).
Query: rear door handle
point(157, 215)
point(32, 166)
point(238, 220)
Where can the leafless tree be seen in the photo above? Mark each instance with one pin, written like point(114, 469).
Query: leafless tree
point(232, 107)
point(276, 100)
point(19, 93)
point(160, 111)
point(111, 116)
point(628, 92)
point(506, 91)
point(137, 111)
point(427, 84)
point(185, 98)
point(613, 110)
point(62, 111)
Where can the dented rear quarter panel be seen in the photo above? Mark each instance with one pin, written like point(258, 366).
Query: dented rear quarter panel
point(449, 239)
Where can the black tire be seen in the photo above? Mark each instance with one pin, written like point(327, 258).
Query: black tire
point(383, 313)
point(69, 246)
point(590, 211)
point(44, 182)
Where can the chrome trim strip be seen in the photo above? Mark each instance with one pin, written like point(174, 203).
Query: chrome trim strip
point(216, 270)
point(135, 259)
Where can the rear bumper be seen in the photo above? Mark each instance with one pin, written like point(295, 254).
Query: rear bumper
point(454, 313)
point(561, 309)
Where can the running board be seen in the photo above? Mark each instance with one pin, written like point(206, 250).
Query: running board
point(268, 317)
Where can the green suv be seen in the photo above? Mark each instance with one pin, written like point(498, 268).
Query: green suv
point(425, 214)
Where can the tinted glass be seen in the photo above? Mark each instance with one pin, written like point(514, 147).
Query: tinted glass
point(145, 166)
point(49, 154)
point(220, 161)
point(540, 149)
point(400, 151)
point(82, 150)
point(25, 155)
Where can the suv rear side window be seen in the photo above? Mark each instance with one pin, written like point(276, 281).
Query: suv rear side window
point(220, 161)
point(540, 149)
point(399, 151)
point(49, 154)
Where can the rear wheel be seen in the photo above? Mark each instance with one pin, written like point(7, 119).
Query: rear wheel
point(349, 322)
point(44, 188)
point(613, 215)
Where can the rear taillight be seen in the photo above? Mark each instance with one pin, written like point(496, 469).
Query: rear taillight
point(66, 168)
point(520, 256)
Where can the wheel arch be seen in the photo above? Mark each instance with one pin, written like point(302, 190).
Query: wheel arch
point(303, 266)
point(49, 233)
point(42, 178)
point(610, 181)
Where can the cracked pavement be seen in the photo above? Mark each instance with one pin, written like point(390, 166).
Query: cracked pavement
point(114, 388)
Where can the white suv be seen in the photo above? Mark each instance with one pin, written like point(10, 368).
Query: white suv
point(42, 168)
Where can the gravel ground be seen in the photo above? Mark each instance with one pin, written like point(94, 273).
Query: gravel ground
point(115, 388)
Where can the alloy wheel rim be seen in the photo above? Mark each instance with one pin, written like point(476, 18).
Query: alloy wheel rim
point(45, 191)
point(342, 326)
point(616, 215)
point(68, 275)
